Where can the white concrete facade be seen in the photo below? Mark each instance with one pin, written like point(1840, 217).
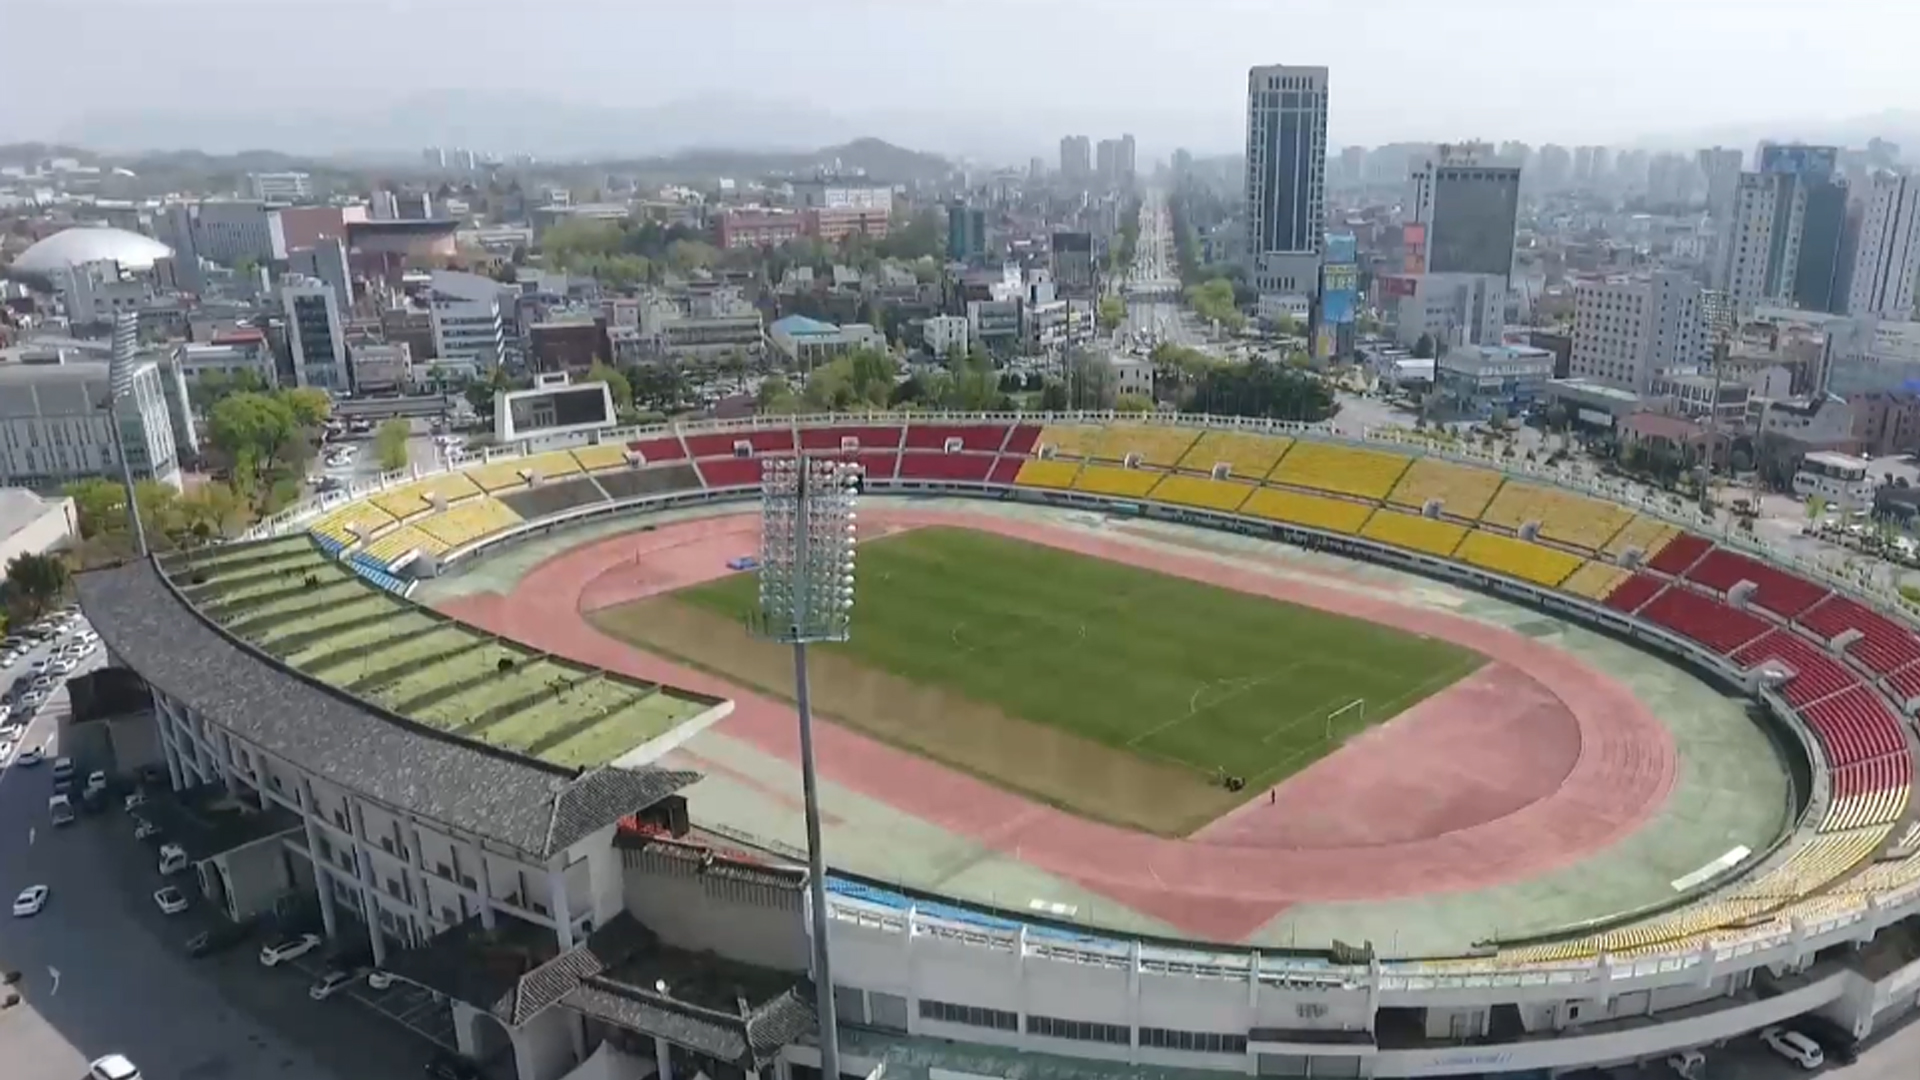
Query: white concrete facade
point(1759, 243)
point(1886, 255)
point(1627, 330)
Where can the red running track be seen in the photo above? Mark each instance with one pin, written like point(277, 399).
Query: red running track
point(1534, 763)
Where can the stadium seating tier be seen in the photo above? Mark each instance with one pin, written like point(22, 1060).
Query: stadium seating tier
point(1207, 494)
point(1680, 554)
point(1514, 557)
point(1413, 532)
point(1703, 619)
point(1313, 511)
point(1463, 490)
point(1344, 470)
point(1563, 517)
point(1884, 645)
point(1596, 580)
point(1048, 474)
point(1247, 456)
point(1784, 594)
point(1816, 673)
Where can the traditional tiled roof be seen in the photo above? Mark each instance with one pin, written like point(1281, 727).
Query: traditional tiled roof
point(532, 807)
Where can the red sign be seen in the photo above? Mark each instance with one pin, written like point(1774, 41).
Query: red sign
point(1399, 286)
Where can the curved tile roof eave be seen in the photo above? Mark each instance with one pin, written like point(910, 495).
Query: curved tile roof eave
point(527, 805)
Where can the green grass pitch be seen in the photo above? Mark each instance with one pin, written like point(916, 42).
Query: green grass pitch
point(1141, 662)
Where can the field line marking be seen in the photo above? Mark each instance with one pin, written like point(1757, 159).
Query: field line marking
point(1248, 682)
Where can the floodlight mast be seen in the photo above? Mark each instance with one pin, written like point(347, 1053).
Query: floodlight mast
point(120, 377)
point(807, 526)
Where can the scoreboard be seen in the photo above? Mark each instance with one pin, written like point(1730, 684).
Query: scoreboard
point(552, 410)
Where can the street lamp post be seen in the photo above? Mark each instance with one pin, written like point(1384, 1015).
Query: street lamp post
point(806, 595)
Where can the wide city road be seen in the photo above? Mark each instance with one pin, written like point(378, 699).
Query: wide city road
point(1155, 312)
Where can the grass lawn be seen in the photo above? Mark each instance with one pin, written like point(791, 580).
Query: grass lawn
point(1111, 691)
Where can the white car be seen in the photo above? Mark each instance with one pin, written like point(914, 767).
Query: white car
point(30, 757)
point(30, 901)
point(39, 667)
point(1795, 1047)
point(113, 1067)
point(279, 952)
point(171, 900)
point(64, 667)
point(96, 781)
point(145, 829)
point(135, 800)
point(173, 859)
point(379, 980)
point(331, 983)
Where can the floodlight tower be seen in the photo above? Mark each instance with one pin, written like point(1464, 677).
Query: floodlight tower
point(807, 532)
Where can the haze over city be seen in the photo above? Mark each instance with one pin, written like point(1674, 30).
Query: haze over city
point(991, 78)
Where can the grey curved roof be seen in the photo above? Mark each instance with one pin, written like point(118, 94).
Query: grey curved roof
point(527, 805)
point(88, 243)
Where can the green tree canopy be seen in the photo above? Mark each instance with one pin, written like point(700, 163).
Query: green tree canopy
point(253, 430)
point(1112, 312)
point(390, 444)
point(34, 584)
point(1214, 300)
point(618, 386)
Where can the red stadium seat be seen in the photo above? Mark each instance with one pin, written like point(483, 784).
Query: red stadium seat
point(1784, 594)
point(865, 437)
point(1679, 554)
point(985, 438)
point(1884, 645)
point(655, 451)
point(1021, 439)
point(716, 444)
point(728, 472)
point(1855, 725)
point(1704, 619)
point(1816, 673)
point(1005, 469)
point(1633, 592)
point(935, 465)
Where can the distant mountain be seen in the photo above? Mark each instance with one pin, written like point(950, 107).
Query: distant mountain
point(1897, 125)
point(876, 158)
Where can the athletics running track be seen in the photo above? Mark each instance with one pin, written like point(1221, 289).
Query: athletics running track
point(1533, 763)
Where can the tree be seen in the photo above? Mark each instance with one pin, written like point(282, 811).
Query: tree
point(100, 505)
point(1215, 300)
point(776, 395)
point(617, 385)
point(1423, 347)
point(214, 385)
point(1133, 403)
point(1091, 382)
point(1112, 312)
point(1053, 396)
point(252, 429)
point(209, 512)
point(659, 387)
point(390, 444)
point(1259, 388)
point(309, 405)
point(34, 583)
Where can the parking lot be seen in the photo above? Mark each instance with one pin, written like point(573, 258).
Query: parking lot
point(102, 970)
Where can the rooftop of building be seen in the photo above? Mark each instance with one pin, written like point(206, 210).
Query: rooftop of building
point(298, 656)
point(20, 508)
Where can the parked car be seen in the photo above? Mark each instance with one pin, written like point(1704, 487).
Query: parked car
point(96, 781)
point(1688, 1064)
point(446, 1066)
point(135, 800)
point(171, 900)
point(279, 952)
point(1794, 1046)
point(1835, 1041)
point(379, 980)
point(331, 983)
point(60, 809)
point(62, 769)
point(146, 830)
point(173, 859)
point(30, 901)
point(30, 757)
point(113, 1067)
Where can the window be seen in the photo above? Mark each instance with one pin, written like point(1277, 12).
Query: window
point(1080, 1030)
point(970, 1015)
point(886, 1011)
point(1199, 1042)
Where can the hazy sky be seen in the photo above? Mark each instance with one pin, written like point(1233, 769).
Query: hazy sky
point(1172, 71)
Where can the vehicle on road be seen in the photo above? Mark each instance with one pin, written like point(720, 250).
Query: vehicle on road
point(113, 1067)
point(135, 800)
point(331, 983)
point(62, 769)
point(1688, 1064)
point(170, 900)
point(173, 859)
point(279, 952)
point(379, 980)
point(145, 830)
point(445, 1066)
point(1794, 1046)
point(30, 901)
point(96, 782)
point(60, 809)
point(30, 757)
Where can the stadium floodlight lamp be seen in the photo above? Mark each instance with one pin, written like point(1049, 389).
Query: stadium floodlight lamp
point(808, 530)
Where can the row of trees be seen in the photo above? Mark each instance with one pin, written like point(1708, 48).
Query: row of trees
point(1214, 299)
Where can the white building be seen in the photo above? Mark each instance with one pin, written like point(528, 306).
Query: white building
point(840, 195)
point(1759, 243)
point(281, 187)
point(467, 327)
point(1887, 252)
point(381, 368)
point(53, 429)
point(1628, 329)
point(1455, 309)
point(315, 335)
point(810, 342)
point(195, 360)
point(1841, 480)
point(1286, 177)
point(945, 334)
point(1133, 375)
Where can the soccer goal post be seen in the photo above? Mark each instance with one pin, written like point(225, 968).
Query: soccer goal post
point(1357, 705)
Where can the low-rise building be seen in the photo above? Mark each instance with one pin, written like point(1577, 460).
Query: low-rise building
point(1477, 380)
point(1840, 480)
point(945, 335)
point(382, 367)
point(810, 342)
point(53, 428)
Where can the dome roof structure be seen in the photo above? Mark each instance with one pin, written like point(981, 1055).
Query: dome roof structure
point(84, 244)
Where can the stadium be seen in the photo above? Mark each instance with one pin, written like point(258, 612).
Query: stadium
point(1161, 747)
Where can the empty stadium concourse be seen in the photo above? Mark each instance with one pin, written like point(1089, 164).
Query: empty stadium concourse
point(1568, 780)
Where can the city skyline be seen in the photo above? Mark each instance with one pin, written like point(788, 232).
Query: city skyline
point(1621, 88)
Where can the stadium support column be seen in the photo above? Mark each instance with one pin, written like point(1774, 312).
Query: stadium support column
point(806, 595)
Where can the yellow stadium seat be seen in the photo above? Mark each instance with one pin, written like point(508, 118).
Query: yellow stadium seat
point(1595, 580)
point(1646, 533)
point(551, 465)
point(1563, 516)
point(1047, 474)
point(1346, 470)
point(410, 499)
point(392, 545)
point(469, 521)
point(1109, 480)
point(1071, 440)
point(1226, 495)
point(1159, 446)
point(1413, 532)
point(604, 456)
point(1314, 511)
point(1517, 558)
point(1247, 456)
point(1463, 490)
point(340, 524)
